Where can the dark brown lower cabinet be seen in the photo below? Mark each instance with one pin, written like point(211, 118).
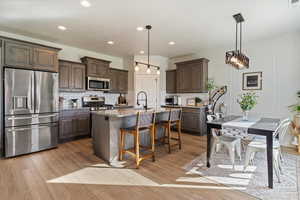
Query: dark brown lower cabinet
point(193, 120)
point(74, 124)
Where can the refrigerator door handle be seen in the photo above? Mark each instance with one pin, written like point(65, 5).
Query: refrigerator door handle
point(33, 95)
point(30, 101)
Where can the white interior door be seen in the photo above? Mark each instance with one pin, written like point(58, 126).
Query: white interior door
point(149, 84)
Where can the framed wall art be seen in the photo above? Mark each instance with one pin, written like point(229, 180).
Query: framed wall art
point(252, 81)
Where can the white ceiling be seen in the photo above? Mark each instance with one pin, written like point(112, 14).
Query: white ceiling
point(192, 24)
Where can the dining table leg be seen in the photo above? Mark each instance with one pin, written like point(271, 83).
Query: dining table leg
point(269, 139)
point(208, 146)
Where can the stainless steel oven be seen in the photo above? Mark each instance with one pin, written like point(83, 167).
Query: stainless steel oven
point(94, 83)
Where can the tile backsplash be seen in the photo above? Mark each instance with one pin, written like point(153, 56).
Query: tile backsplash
point(109, 98)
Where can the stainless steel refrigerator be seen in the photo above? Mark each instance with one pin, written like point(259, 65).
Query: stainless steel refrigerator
point(30, 111)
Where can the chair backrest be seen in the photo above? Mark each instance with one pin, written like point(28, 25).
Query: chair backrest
point(145, 119)
point(175, 115)
point(282, 129)
point(210, 118)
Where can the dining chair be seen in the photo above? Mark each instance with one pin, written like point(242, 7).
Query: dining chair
point(259, 145)
point(233, 144)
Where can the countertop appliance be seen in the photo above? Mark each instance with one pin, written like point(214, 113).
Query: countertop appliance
point(31, 109)
point(173, 100)
point(94, 83)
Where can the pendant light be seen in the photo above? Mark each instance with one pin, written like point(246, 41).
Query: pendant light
point(136, 68)
point(236, 58)
point(148, 27)
point(148, 65)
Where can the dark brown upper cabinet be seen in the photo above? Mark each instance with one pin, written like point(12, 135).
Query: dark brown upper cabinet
point(96, 67)
point(44, 59)
point(118, 81)
point(191, 76)
point(71, 76)
point(26, 55)
point(17, 54)
point(171, 81)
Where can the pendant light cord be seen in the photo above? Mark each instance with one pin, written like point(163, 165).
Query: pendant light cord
point(236, 36)
point(240, 37)
point(148, 48)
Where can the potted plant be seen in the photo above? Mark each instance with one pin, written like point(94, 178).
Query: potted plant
point(198, 101)
point(295, 108)
point(247, 101)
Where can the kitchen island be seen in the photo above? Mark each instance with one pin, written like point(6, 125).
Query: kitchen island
point(106, 126)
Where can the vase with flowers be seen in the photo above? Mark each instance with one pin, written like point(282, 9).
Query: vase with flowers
point(247, 102)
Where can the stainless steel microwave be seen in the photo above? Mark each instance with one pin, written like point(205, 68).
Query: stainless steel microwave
point(94, 83)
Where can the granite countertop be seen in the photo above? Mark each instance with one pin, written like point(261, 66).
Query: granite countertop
point(183, 106)
point(119, 113)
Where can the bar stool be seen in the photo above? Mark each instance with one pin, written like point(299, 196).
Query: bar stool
point(145, 121)
point(173, 120)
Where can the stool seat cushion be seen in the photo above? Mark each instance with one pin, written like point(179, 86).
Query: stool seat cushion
point(134, 128)
point(165, 122)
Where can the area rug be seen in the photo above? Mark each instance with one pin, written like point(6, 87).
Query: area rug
point(253, 180)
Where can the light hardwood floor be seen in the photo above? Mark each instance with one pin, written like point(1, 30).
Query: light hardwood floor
point(26, 177)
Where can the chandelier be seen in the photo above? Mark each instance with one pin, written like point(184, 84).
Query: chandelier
point(236, 58)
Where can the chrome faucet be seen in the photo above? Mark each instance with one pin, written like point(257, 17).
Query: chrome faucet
point(138, 100)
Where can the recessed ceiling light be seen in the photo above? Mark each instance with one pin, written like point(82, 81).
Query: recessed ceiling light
point(171, 43)
point(110, 42)
point(140, 28)
point(62, 28)
point(85, 3)
point(142, 52)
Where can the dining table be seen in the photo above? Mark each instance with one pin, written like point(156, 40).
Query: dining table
point(260, 126)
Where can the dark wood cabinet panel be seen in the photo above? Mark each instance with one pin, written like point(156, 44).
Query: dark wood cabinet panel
point(71, 76)
point(44, 59)
point(96, 67)
point(114, 82)
point(83, 125)
point(17, 54)
point(123, 82)
point(66, 128)
point(171, 81)
point(78, 77)
point(65, 77)
point(74, 124)
point(118, 81)
point(191, 76)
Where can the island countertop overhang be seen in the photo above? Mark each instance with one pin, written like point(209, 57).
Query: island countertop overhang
point(120, 113)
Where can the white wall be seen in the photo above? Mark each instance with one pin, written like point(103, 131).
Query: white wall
point(160, 61)
point(279, 60)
